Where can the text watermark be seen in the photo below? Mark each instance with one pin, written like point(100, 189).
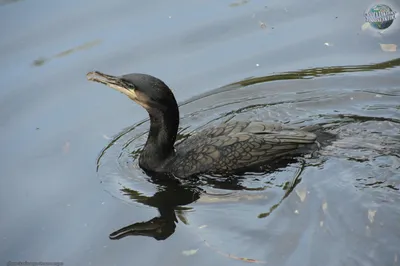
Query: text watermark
point(34, 263)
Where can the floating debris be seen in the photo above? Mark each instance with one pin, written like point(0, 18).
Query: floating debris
point(232, 256)
point(239, 3)
point(189, 252)
point(78, 48)
point(325, 206)
point(371, 215)
point(41, 60)
point(301, 193)
point(388, 47)
point(365, 26)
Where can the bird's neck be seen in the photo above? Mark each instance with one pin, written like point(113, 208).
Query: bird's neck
point(159, 147)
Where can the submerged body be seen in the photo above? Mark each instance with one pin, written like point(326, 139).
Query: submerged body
point(225, 149)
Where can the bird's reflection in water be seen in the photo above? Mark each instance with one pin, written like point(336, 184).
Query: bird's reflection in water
point(173, 195)
point(170, 198)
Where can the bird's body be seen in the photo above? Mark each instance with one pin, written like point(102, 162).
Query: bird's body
point(236, 146)
point(224, 149)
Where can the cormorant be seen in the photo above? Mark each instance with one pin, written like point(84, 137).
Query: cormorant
point(228, 148)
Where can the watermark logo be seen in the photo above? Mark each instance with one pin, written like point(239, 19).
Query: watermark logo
point(380, 16)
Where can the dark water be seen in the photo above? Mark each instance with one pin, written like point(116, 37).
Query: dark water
point(67, 143)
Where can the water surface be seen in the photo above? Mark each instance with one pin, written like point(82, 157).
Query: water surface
point(54, 124)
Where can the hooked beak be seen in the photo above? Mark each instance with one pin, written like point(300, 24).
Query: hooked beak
point(113, 82)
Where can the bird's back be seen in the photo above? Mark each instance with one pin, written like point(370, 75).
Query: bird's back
point(234, 146)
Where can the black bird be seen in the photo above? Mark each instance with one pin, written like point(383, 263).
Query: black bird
point(228, 148)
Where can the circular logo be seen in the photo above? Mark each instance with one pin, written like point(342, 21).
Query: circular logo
point(380, 16)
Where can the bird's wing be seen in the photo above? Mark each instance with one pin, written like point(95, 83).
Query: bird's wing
point(229, 128)
point(226, 153)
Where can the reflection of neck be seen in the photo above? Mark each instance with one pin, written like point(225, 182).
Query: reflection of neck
point(159, 146)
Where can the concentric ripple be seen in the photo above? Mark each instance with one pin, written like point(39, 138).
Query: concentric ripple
point(340, 190)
